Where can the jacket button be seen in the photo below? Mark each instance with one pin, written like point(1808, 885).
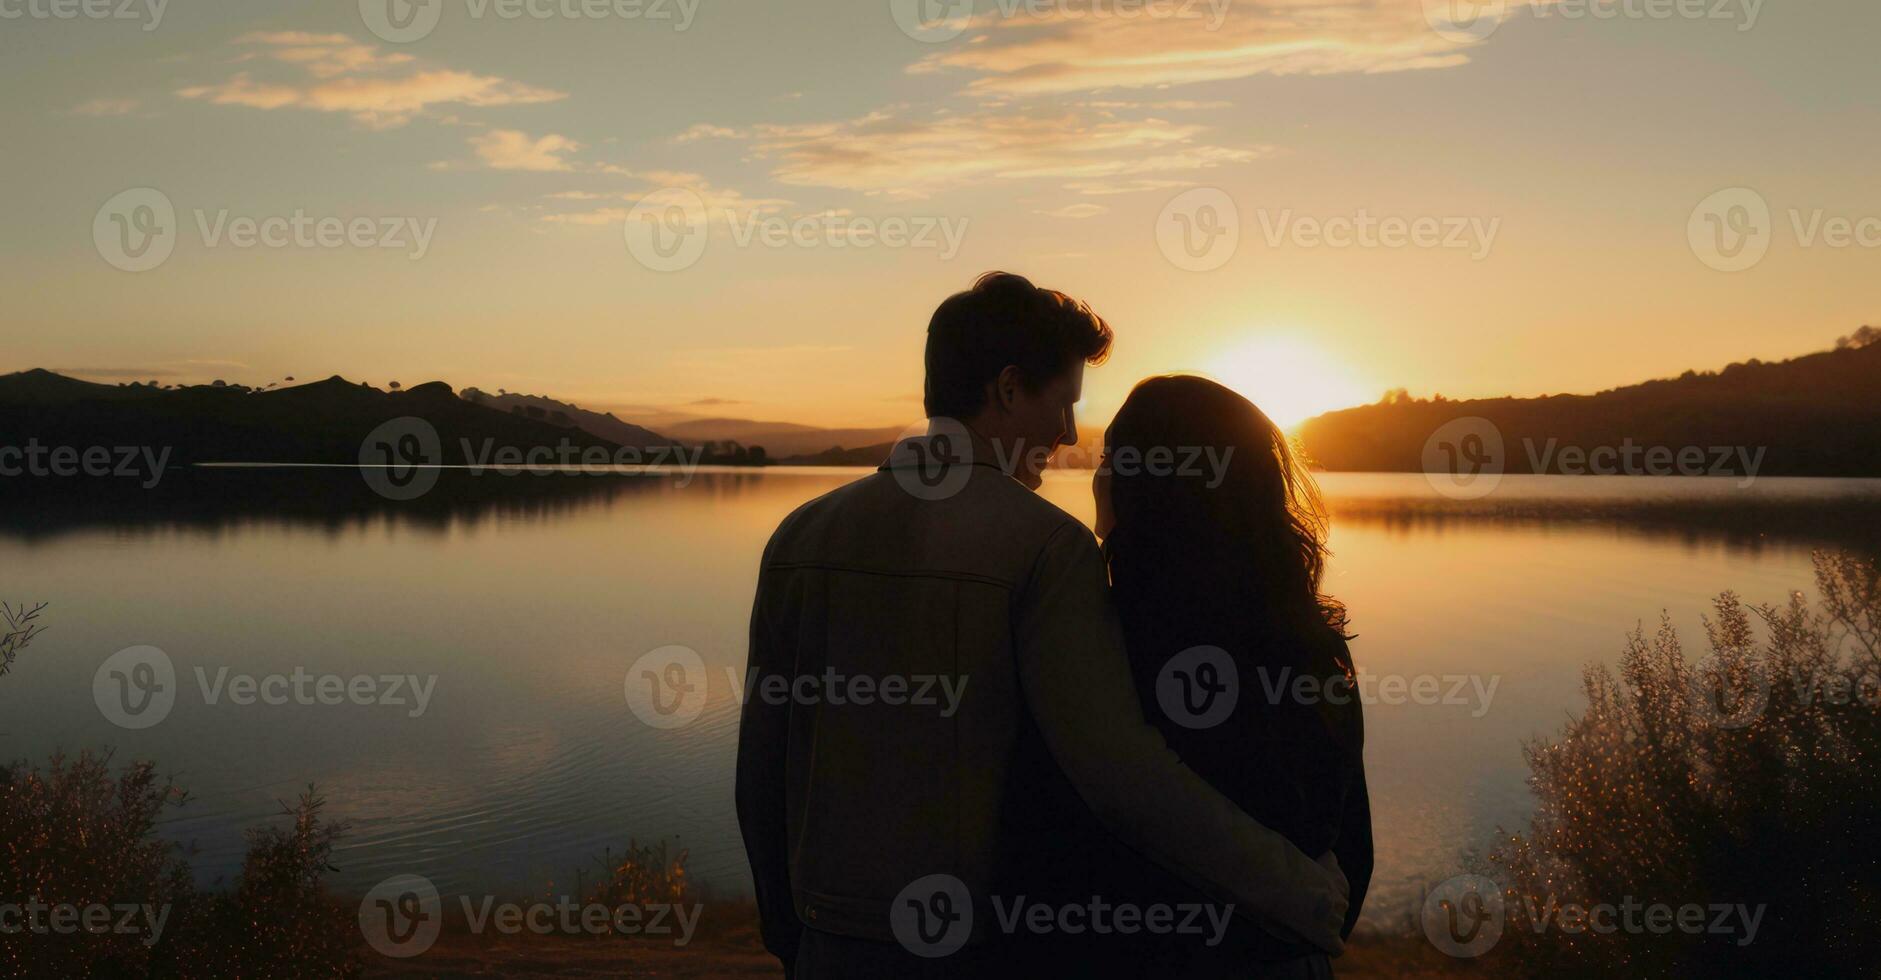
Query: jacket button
point(810, 913)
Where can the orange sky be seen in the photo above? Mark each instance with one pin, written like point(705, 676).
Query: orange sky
point(1313, 200)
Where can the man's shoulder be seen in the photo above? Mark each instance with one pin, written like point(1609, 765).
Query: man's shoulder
point(990, 508)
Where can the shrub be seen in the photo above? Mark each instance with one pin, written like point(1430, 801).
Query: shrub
point(642, 876)
point(1746, 779)
point(278, 920)
point(20, 629)
point(73, 834)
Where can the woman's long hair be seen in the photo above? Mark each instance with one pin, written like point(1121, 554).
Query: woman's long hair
point(1218, 525)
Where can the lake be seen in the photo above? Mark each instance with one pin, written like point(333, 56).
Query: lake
point(528, 598)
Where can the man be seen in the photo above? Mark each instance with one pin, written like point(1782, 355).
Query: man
point(891, 833)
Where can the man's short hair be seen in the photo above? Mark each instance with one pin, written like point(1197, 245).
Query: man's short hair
point(1005, 320)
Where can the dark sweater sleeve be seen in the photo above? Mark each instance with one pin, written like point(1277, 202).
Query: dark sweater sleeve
point(763, 744)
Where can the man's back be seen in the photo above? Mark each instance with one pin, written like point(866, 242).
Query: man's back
point(902, 601)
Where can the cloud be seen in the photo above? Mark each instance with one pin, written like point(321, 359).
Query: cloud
point(1075, 211)
point(509, 149)
point(1132, 185)
point(106, 107)
point(717, 401)
point(719, 201)
point(703, 131)
point(899, 153)
point(1067, 49)
point(334, 73)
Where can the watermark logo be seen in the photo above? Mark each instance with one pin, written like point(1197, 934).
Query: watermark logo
point(1725, 698)
point(1198, 688)
point(142, 463)
point(150, 12)
point(1474, 691)
point(1744, 12)
point(135, 688)
point(1362, 229)
point(933, 916)
point(666, 230)
point(669, 229)
point(666, 687)
point(1464, 916)
point(399, 458)
point(1467, 915)
point(1731, 231)
point(932, 459)
point(1464, 459)
point(1199, 229)
point(402, 916)
point(931, 21)
point(401, 21)
point(136, 229)
point(34, 917)
point(405, 21)
point(1465, 21)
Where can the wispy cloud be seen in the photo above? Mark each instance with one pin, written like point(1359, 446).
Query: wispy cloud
point(704, 131)
point(719, 201)
point(106, 107)
point(901, 153)
point(1062, 50)
point(1075, 211)
point(334, 73)
point(509, 149)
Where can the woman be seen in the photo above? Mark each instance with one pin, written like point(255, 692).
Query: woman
point(1216, 540)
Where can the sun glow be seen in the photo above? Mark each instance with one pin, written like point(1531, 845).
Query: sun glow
point(1291, 379)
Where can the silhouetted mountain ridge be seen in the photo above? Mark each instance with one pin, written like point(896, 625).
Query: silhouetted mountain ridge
point(1815, 415)
point(320, 422)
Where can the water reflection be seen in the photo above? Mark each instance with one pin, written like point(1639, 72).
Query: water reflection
point(529, 597)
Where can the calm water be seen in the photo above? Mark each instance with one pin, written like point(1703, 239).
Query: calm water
point(529, 605)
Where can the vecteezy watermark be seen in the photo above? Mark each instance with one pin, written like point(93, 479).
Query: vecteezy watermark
point(404, 21)
point(1362, 229)
point(1743, 13)
point(1734, 694)
point(1208, 464)
point(668, 687)
point(1200, 687)
point(1733, 229)
point(1469, 21)
point(937, 21)
point(142, 463)
point(402, 458)
point(1466, 916)
point(402, 916)
point(137, 688)
point(1465, 459)
point(62, 919)
point(137, 230)
point(668, 230)
point(1199, 229)
point(933, 916)
point(1474, 691)
point(147, 12)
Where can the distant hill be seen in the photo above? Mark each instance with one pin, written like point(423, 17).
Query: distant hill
point(599, 424)
point(322, 422)
point(780, 439)
point(1817, 415)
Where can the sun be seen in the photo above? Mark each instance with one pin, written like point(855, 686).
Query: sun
point(1290, 378)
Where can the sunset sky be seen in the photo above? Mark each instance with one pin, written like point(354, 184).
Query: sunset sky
point(1053, 141)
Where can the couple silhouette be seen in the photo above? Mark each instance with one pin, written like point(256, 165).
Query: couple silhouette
point(1106, 798)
